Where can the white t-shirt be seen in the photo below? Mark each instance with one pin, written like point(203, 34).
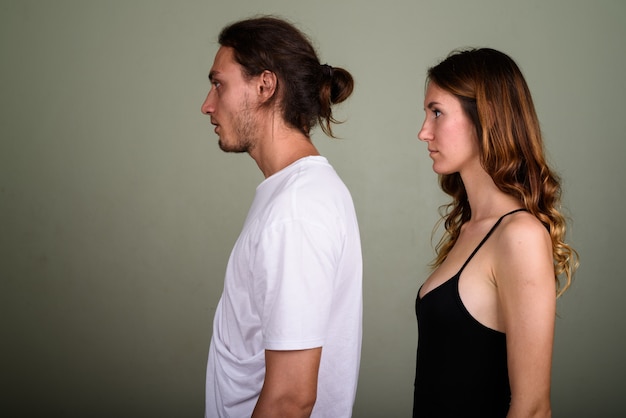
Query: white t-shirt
point(293, 281)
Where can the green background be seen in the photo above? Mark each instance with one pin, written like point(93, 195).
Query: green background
point(118, 210)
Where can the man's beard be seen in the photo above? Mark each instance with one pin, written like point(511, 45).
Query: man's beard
point(245, 129)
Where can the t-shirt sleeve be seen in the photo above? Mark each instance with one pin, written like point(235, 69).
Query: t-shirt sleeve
point(294, 268)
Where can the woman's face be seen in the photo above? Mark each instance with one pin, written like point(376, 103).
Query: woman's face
point(448, 132)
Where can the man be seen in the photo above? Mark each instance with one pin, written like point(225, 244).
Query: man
point(287, 330)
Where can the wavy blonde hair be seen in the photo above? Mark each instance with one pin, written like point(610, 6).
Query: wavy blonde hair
point(495, 96)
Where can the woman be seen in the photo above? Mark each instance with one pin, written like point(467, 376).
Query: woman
point(486, 314)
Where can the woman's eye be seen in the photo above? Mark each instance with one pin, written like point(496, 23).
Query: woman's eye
point(437, 113)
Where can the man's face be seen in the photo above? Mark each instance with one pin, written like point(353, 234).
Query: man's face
point(232, 104)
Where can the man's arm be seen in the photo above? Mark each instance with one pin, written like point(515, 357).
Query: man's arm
point(290, 386)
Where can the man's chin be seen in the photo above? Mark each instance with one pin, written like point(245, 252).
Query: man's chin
point(231, 148)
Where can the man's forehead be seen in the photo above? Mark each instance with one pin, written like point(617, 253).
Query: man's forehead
point(224, 60)
point(224, 57)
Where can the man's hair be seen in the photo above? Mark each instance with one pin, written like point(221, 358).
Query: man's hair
point(306, 89)
point(494, 95)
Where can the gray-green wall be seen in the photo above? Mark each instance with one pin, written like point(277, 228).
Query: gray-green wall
point(118, 211)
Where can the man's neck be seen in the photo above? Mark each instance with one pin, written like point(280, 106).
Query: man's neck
point(280, 149)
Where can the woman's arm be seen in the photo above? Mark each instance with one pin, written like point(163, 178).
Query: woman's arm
point(524, 275)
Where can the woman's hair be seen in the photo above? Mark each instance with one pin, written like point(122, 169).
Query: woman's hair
point(306, 89)
point(496, 98)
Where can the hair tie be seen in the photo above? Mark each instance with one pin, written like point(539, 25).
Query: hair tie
point(327, 70)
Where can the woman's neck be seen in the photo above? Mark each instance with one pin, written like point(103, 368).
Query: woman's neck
point(485, 199)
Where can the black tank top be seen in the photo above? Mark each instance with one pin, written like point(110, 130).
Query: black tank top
point(461, 364)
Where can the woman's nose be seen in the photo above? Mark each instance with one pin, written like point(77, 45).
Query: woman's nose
point(424, 133)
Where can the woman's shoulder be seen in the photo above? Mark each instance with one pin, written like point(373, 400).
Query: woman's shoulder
point(522, 234)
point(522, 224)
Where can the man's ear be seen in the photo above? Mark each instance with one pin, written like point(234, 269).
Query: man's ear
point(267, 85)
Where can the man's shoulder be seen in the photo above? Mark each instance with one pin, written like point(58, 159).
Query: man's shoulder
point(309, 177)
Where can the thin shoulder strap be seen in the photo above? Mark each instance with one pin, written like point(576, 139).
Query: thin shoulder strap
point(493, 228)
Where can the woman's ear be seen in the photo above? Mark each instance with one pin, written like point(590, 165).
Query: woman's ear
point(267, 85)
